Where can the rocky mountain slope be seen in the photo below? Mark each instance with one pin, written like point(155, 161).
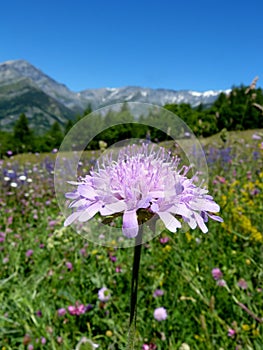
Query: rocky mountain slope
point(26, 89)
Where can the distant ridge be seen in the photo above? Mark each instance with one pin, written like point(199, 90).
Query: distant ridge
point(26, 89)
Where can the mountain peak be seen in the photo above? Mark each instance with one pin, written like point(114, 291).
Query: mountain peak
point(19, 77)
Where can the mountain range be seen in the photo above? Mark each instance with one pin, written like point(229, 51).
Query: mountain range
point(26, 89)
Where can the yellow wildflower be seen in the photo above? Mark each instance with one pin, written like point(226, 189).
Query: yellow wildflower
point(245, 327)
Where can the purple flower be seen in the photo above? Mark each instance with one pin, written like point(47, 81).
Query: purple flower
point(104, 294)
point(231, 332)
point(82, 251)
point(164, 240)
point(78, 309)
point(142, 178)
point(43, 340)
point(256, 137)
point(39, 313)
point(30, 347)
point(52, 223)
point(29, 252)
point(61, 312)
point(242, 284)
point(158, 293)
point(69, 265)
point(60, 340)
point(5, 260)
point(145, 347)
point(2, 237)
point(160, 314)
point(221, 283)
point(150, 346)
point(217, 273)
point(89, 307)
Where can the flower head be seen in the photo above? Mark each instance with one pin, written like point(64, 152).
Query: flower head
point(29, 253)
point(217, 273)
point(142, 178)
point(150, 346)
point(160, 314)
point(84, 340)
point(69, 265)
point(221, 283)
point(242, 284)
point(184, 346)
point(231, 332)
point(104, 294)
point(158, 293)
point(61, 312)
point(78, 309)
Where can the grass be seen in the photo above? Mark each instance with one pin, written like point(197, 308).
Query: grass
point(36, 279)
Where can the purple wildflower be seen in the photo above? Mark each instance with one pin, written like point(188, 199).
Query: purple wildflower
point(43, 340)
point(164, 240)
point(69, 265)
point(39, 313)
point(150, 346)
point(104, 294)
point(256, 137)
point(217, 273)
point(30, 347)
point(60, 340)
point(29, 253)
point(82, 251)
point(242, 283)
point(231, 332)
point(5, 260)
point(160, 314)
point(221, 283)
point(158, 293)
point(145, 347)
point(2, 237)
point(113, 258)
point(78, 309)
point(52, 223)
point(142, 178)
point(89, 307)
point(61, 312)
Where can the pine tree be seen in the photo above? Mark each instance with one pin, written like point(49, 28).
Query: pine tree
point(23, 135)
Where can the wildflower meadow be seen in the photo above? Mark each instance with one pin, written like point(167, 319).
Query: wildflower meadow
point(196, 290)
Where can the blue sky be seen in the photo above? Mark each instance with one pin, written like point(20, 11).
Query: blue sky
point(175, 44)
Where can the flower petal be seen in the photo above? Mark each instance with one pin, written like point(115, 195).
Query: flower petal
point(72, 218)
point(78, 203)
point(215, 217)
point(144, 203)
point(205, 205)
point(72, 195)
point(113, 208)
point(200, 222)
point(130, 226)
point(171, 223)
point(88, 213)
point(87, 191)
